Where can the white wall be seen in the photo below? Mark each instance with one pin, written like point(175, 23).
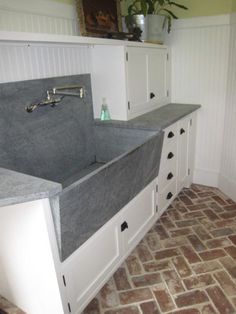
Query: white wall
point(200, 49)
point(39, 16)
point(228, 165)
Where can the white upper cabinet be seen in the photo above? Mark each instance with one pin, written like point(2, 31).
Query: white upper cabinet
point(134, 80)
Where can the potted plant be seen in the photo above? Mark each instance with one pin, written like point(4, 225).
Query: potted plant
point(152, 16)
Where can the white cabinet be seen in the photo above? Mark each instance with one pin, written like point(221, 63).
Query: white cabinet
point(88, 269)
point(177, 159)
point(134, 80)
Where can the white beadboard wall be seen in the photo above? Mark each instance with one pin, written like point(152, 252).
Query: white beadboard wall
point(39, 16)
point(200, 48)
point(31, 61)
point(228, 166)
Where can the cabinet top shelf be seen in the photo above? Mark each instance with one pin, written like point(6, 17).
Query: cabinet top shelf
point(25, 37)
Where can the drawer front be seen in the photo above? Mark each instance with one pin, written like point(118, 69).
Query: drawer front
point(171, 134)
point(167, 175)
point(169, 154)
point(166, 196)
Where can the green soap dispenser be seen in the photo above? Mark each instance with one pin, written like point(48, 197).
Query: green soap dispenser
point(105, 115)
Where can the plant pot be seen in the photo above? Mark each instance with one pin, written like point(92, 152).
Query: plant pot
point(154, 24)
point(138, 20)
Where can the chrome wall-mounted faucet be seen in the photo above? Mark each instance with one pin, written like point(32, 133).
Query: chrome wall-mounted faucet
point(52, 100)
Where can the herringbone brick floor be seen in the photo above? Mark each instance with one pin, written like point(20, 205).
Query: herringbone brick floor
point(186, 264)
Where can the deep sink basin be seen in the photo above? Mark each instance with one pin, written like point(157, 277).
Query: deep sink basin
point(101, 168)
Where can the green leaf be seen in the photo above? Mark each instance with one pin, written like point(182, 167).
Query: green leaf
point(170, 13)
point(179, 5)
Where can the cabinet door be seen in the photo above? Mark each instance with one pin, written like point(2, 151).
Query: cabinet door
point(183, 152)
point(87, 270)
point(139, 215)
point(157, 75)
point(137, 80)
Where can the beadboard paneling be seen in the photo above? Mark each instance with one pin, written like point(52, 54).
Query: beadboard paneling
point(24, 62)
point(40, 17)
point(199, 75)
point(228, 165)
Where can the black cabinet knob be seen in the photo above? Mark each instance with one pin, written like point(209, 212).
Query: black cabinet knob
point(170, 134)
point(169, 196)
point(152, 95)
point(170, 155)
point(124, 226)
point(182, 131)
point(170, 176)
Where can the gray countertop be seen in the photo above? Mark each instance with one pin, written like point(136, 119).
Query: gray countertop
point(157, 119)
point(16, 187)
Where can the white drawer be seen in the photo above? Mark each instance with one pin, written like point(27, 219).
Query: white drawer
point(169, 153)
point(170, 134)
point(167, 175)
point(166, 196)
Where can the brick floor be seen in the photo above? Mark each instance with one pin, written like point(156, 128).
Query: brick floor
point(185, 264)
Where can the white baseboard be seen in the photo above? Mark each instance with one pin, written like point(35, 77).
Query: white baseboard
point(227, 186)
point(206, 177)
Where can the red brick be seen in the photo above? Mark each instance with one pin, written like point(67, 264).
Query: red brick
point(221, 232)
point(121, 279)
point(212, 244)
point(191, 298)
point(143, 253)
point(124, 310)
point(163, 298)
point(226, 283)
point(200, 281)
point(230, 207)
point(233, 239)
point(231, 250)
point(219, 200)
point(134, 296)
point(133, 265)
point(196, 243)
point(201, 232)
point(229, 265)
point(190, 194)
point(173, 214)
point(146, 280)
point(166, 253)
point(153, 242)
point(197, 207)
point(173, 281)
point(149, 308)
point(228, 215)
point(192, 215)
point(209, 225)
point(225, 223)
point(206, 267)
point(173, 242)
point(109, 295)
point(167, 222)
point(161, 232)
point(93, 307)
point(208, 309)
point(220, 301)
point(181, 266)
point(180, 232)
point(186, 223)
point(186, 200)
point(210, 214)
point(156, 266)
point(190, 255)
point(212, 254)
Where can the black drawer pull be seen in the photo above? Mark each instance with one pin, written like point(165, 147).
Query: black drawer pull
point(124, 226)
point(182, 131)
point(170, 134)
point(170, 176)
point(170, 155)
point(152, 95)
point(169, 196)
